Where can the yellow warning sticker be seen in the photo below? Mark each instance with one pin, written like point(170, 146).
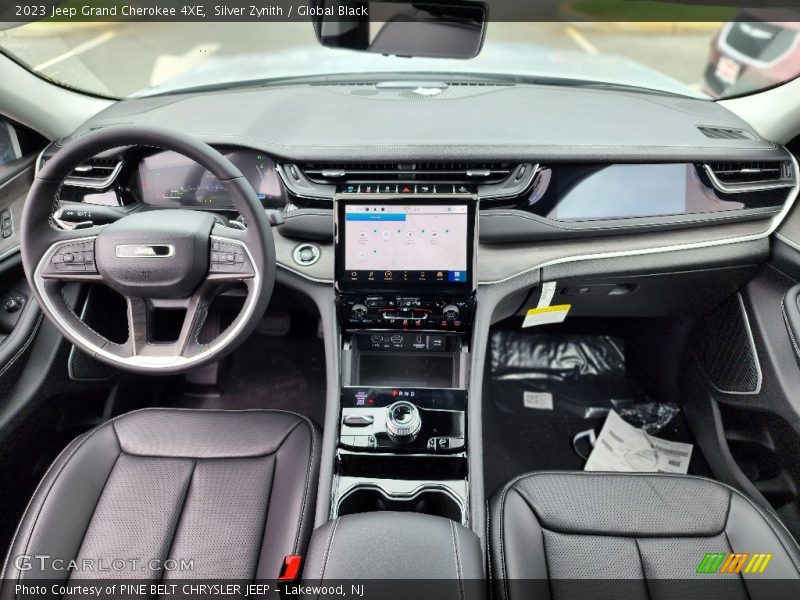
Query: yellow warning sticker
point(546, 315)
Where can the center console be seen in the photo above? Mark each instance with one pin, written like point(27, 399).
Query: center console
point(405, 294)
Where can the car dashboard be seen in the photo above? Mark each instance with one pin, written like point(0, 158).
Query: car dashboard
point(557, 183)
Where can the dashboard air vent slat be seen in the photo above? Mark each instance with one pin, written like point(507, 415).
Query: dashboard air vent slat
point(422, 171)
point(725, 133)
point(97, 173)
point(730, 176)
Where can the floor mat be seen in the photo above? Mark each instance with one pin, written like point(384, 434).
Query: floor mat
point(285, 373)
point(513, 445)
point(543, 389)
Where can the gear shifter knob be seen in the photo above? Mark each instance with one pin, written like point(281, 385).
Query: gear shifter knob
point(403, 422)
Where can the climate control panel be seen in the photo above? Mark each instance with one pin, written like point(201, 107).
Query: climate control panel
point(440, 313)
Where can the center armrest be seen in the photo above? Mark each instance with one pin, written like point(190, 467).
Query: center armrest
point(421, 552)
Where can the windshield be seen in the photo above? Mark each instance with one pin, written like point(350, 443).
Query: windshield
point(122, 59)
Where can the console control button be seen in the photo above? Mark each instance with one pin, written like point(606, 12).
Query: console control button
point(358, 420)
point(408, 302)
point(373, 301)
point(437, 342)
point(358, 441)
point(445, 444)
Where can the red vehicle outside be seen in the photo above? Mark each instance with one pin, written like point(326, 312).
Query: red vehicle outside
point(752, 53)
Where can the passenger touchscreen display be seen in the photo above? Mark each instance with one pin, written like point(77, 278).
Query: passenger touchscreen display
point(399, 244)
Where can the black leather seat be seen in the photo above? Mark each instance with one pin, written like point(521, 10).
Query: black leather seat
point(649, 529)
point(232, 491)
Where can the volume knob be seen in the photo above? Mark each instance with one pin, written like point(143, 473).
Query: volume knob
point(403, 421)
point(451, 312)
point(358, 312)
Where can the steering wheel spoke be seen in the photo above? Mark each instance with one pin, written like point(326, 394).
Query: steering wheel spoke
point(141, 321)
point(71, 259)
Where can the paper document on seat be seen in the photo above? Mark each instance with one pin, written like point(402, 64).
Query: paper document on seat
point(623, 447)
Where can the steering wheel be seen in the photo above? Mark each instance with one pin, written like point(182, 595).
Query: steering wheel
point(158, 259)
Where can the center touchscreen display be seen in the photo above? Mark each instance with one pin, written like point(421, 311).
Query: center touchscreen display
point(405, 243)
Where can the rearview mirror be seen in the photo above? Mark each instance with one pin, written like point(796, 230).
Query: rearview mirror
point(402, 28)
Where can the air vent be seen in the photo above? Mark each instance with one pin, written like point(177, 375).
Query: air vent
point(332, 173)
point(725, 133)
point(742, 176)
point(97, 173)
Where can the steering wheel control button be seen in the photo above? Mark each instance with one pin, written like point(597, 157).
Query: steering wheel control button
point(77, 257)
point(306, 255)
point(226, 258)
point(403, 422)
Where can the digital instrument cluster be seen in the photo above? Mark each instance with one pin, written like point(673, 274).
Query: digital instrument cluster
point(169, 179)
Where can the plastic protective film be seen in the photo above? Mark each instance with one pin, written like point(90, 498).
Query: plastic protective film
point(580, 376)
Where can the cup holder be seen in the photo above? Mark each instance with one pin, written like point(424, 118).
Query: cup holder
point(428, 501)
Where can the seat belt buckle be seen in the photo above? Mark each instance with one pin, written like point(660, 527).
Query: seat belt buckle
point(290, 570)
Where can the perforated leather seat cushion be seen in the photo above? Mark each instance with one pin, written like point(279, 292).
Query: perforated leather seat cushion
point(232, 491)
point(644, 528)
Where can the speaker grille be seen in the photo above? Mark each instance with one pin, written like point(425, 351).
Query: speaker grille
point(724, 347)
